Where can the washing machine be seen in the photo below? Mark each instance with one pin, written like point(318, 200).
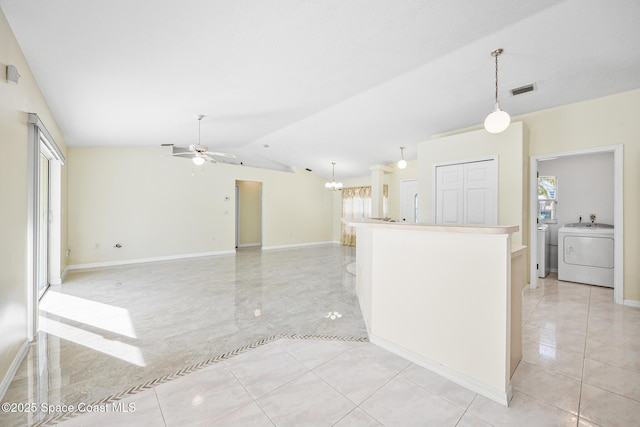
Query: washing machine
point(543, 250)
point(585, 253)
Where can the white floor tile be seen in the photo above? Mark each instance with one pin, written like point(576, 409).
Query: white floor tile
point(357, 418)
point(613, 379)
point(552, 359)
point(206, 395)
point(548, 387)
point(438, 385)
point(400, 403)
point(306, 401)
point(263, 370)
point(250, 415)
point(523, 411)
point(608, 409)
point(361, 371)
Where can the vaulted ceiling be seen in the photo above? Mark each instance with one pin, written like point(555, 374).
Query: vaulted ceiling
point(303, 83)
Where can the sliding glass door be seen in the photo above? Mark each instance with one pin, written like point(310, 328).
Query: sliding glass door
point(43, 221)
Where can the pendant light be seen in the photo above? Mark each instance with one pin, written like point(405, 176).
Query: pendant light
point(402, 163)
point(499, 120)
point(333, 185)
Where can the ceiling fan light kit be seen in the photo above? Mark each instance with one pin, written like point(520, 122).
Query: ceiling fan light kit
point(200, 153)
point(498, 120)
point(198, 161)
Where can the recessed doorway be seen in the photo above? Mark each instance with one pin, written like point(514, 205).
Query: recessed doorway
point(248, 214)
point(617, 213)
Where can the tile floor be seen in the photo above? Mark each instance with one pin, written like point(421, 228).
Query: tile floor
point(580, 367)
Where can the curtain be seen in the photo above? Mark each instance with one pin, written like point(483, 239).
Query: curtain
point(356, 203)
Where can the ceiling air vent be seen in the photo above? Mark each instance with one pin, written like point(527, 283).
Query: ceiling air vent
point(523, 89)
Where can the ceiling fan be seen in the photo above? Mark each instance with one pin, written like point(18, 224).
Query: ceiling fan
point(200, 153)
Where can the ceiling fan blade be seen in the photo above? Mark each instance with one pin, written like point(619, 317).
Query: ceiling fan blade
point(209, 159)
point(186, 153)
point(215, 153)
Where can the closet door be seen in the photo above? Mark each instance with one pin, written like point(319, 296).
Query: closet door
point(480, 189)
point(467, 193)
point(449, 194)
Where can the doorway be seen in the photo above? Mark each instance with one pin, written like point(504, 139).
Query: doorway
point(248, 214)
point(617, 214)
point(44, 217)
point(409, 200)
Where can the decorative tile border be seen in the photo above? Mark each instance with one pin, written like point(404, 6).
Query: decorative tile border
point(52, 421)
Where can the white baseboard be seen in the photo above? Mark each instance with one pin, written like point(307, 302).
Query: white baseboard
point(299, 245)
point(64, 274)
point(501, 397)
point(4, 385)
point(631, 303)
point(143, 260)
point(249, 245)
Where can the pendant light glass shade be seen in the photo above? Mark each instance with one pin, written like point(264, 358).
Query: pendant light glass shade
point(499, 120)
point(402, 163)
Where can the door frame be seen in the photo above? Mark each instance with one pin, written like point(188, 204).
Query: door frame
point(45, 155)
point(37, 136)
point(458, 162)
point(238, 210)
point(403, 181)
point(618, 214)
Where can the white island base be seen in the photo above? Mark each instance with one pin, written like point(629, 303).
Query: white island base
point(447, 298)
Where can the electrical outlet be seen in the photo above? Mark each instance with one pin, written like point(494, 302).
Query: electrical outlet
point(98, 245)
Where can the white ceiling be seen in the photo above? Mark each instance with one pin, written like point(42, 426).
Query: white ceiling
point(348, 81)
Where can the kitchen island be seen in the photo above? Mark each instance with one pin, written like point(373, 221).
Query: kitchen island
point(446, 297)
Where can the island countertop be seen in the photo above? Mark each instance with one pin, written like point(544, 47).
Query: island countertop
point(448, 228)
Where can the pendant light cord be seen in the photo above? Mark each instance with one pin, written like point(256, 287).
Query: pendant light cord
point(496, 56)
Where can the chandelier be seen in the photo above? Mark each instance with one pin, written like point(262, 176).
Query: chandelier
point(333, 185)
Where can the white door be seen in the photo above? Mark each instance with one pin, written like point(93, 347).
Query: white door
point(480, 191)
point(409, 200)
point(449, 194)
point(467, 193)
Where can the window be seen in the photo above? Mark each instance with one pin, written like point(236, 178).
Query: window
point(547, 199)
point(356, 203)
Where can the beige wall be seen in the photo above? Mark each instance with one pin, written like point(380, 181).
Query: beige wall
point(509, 149)
point(611, 120)
point(156, 205)
point(16, 101)
point(250, 215)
